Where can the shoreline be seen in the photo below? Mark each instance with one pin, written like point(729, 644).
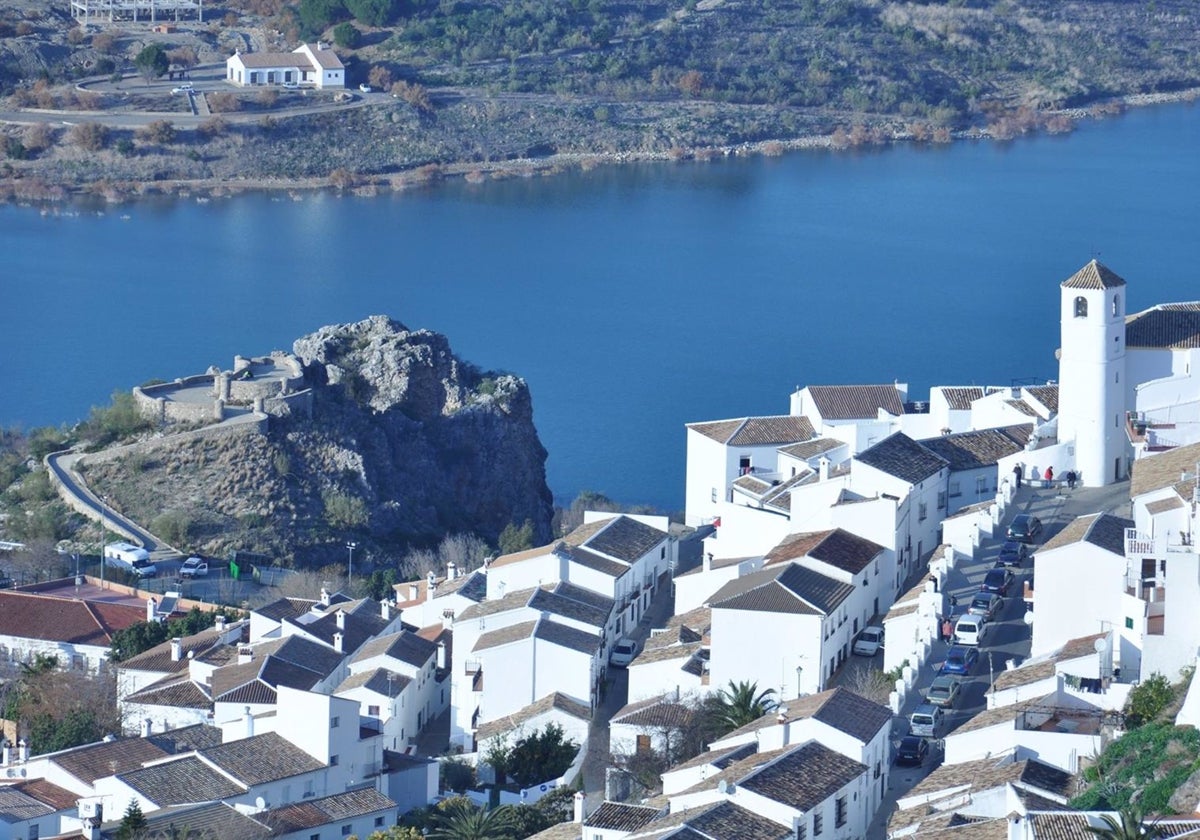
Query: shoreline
point(366, 185)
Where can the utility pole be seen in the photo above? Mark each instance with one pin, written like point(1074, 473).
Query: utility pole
point(350, 546)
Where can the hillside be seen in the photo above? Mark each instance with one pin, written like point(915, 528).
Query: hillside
point(553, 84)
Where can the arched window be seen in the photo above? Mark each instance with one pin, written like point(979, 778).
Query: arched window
point(1081, 307)
point(1116, 305)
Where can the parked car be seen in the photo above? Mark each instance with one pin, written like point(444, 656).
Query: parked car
point(869, 641)
point(623, 652)
point(1025, 528)
point(960, 660)
point(194, 567)
point(971, 630)
point(943, 691)
point(926, 721)
point(186, 87)
point(364, 87)
point(912, 751)
point(997, 581)
point(1012, 553)
point(986, 604)
point(290, 86)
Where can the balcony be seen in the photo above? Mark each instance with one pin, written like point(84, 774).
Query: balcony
point(1139, 545)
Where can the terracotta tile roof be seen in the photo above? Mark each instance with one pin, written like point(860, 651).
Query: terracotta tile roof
point(179, 692)
point(556, 604)
point(901, 456)
point(999, 715)
point(1174, 326)
point(261, 759)
point(625, 539)
point(108, 758)
point(17, 806)
point(585, 531)
point(719, 758)
point(837, 548)
point(752, 485)
point(329, 809)
point(757, 431)
point(557, 700)
point(359, 625)
point(617, 816)
point(717, 821)
point(856, 402)
point(1100, 529)
point(665, 653)
point(1046, 666)
point(509, 601)
point(1163, 505)
point(199, 736)
point(1061, 826)
point(158, 658)
point(519, 556)
point(1094, 275)
point(969, 829)
point(405, 646)
point(568, 637)
point(595, 562)
point(1047, 395)
point(273, 59)
point(783, 588)
point(661, 711)
point(988, 773)
point(698, 619)
point(971, 509)
point(960, 399)
point(978, 449)
point(1166, 469)
point(812, 448)
point(327, 58)
point(583, 595)
point(379, 680)
point(562, 831)
point(804, 776)
point(1022, 407)
point(472, 586)
point(505, 635)
point(213, 819)
point(181, 781)
point(837, 707)
point(286, 608)
point(27, 615)
point(717, 563)
point(49, 794)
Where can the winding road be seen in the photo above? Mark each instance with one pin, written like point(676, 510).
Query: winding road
point(79, 496)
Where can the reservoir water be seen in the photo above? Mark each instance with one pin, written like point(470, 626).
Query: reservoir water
point(632, 299)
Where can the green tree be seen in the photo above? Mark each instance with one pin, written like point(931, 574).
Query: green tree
point(498, 756)
point(514, 538)
point(152, 62)
point(343, 511)
point(456, 774)
point(133, 824)
point(742, 703)
point(1147, 700)
point(542, 756)
point(346, 35)
point(317, 15)
point(372, 12)
point(1128, 824)
point(459, 819)
point(397, 832)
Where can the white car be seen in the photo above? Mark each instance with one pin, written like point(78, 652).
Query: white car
point(623, 652)
point(365, 88)
point(869, 641)
point(290, 85)
point(194, 567)
point(184, 88)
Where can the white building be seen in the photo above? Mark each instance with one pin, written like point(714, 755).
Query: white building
point(314, 65)
point(974, 457)
point(78, 633)
point(860, 415)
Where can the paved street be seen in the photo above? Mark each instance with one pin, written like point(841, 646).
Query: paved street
point(1010, 636)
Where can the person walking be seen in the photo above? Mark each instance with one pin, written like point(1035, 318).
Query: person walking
point(1049, 475)
point(947, 630)
point(1017, 474)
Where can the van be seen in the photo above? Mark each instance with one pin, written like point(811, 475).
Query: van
point(970, 630)
point(926, 721)
point(122, 555)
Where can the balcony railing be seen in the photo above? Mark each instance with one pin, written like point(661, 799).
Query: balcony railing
point(1138, 544)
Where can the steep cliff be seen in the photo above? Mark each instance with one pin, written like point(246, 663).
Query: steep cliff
point(406, 443)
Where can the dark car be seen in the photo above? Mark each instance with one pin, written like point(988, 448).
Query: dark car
point(997, 581)
point(912, 751)
point(960, 660)
point(986, 604)
point(1025, 528)
point(1012, 553)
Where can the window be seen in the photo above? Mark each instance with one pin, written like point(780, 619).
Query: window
point(1116, 305)
point(802, 830)
point(347, 828)
point(333, 761)
point(334, 721)
point(314, 837)
point(955, 489)
point(714, 494)
point(1118, 376)
point(1128, 623)
point(1081, 307)
point(372, 711)
point(34, 832)
point(662, 554)
point(840, 812)
point(378, 822)
point(981, 485)
point(817, 824)
point(941, 500)
point(921, 512)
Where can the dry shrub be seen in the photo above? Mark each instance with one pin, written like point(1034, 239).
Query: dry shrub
point(475, 177)
point(414, 94)
point(772, 148)
point(839, 139)
point(267, 97)
point(23, 28)
point(86, 100)
point(677, 153)
point(919, 131)
point(91, 137)
point(104, 42)
point(39, 137)
point(212, 127)
point(76, 35)
point(941, 134)
point(428, 172)
point(343, 178)
point(46, 99)
point(159, 131)
point(691, 83)
point(224, 102)
point(1060, 124)
point(705, 154)
point(380, 77)
point(183, 57)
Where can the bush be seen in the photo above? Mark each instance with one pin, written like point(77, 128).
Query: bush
point(455, 774)
point(541, 757)
point(91, 137)
point(380, 77)
point(414, 94)
point(344, 512)
point(173, 526)
point(212, 127)
point(317, 15)
point(372, 12)
point(514, 538)
point(159, 131)
point(152, 62)
point(104, 42)
point(346, 35)
point(224, 102)
point(14, 149)
point(1147, 700)
point(119, 420)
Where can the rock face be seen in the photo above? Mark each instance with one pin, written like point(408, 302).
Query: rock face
point(406, 443)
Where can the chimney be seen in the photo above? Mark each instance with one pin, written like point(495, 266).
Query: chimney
point(146, 724)
point(708, 562)
point(385, 609)
point(414, 591)
point(340, 618)
point(150, 611)
point(441, 656)
point(337, 642)
point(6, 754)
point(22, 751)
point(447, 619)
point(451, 570)
point(823, 468)
point(220, 625)
point(245, 654)
point(431, 582)
point(579, 800)
point(249, 721)
point(176, 649)
point(324, 597)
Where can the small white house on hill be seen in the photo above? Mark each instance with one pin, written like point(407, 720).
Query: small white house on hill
point(312, 65)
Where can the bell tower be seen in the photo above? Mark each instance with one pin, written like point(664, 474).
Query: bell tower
point(1091, 367)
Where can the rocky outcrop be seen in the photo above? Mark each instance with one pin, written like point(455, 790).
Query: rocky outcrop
point(406, 443)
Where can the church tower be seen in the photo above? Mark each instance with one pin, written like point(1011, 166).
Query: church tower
point(1091, 367)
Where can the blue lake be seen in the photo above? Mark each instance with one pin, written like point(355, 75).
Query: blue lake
point(632, 299)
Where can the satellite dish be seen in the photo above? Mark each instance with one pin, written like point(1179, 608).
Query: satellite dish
point(1101, 645)
point(260, 803)
point(1028, 618)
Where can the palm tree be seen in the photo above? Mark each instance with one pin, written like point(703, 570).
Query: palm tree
point(459, 819)
point(1129, 824)
point(742, 703)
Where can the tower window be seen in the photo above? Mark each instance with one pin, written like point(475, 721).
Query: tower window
point(1081, 307)
point(1116, 304)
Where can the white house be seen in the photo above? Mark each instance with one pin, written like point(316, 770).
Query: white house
point(973, 457)
point(655, 725)
point(314, 65)
point(860, 415)
point(77, 632)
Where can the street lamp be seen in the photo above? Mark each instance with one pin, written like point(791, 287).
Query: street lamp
point(350, 546)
